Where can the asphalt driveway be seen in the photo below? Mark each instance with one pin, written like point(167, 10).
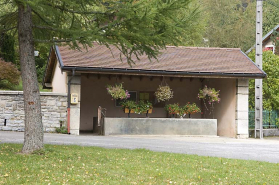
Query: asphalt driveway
point(248, 149)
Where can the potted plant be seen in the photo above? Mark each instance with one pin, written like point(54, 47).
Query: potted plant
point(129, 106)
point(163, 93)
point(172, 109)
point(144, 107)
point(117, 92)
point(209, 96)
point(190, 109)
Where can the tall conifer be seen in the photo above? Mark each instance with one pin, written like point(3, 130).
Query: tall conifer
point(136, 27)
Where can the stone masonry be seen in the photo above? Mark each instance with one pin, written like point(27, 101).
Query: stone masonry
point(242, 108)
point(54, 110)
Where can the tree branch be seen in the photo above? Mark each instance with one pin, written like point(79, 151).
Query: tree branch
point(77, 12)
point(8, 29)
point(40, 17)
point(6, 2)
point(53, 41)
point(45, 27)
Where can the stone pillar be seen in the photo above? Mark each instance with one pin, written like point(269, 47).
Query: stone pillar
point(75, 108)
point(242, 108)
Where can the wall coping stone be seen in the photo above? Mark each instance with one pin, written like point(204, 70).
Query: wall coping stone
point(42, 93)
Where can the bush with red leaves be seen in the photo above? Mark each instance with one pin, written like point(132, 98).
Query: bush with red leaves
point(9, 72)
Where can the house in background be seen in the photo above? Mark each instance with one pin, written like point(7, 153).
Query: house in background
point(268, 43)
point(184, 69)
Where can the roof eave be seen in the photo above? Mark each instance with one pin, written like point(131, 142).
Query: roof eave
point(54, 48)
point(161, 72)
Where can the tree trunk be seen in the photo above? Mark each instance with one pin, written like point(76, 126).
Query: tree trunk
point(33, 135)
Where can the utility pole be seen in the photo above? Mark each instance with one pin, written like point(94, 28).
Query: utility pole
point(259, 82)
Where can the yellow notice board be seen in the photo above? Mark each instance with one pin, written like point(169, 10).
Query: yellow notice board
point(74, 98)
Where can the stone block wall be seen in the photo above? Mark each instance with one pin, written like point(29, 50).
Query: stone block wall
point(54, 110)
point(242, 109)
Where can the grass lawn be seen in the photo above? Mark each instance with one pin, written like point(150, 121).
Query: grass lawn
point(4, 86)
point(93, 165)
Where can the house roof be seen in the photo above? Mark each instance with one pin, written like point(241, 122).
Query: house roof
point(268, 35)
point(265, 38)
point(174, 61)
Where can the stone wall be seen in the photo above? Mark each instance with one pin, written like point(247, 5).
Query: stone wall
point(160, 126)
point(54, 110)
point(242, 108)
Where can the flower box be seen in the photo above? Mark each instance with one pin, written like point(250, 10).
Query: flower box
point(133, 111)
point(127, 110)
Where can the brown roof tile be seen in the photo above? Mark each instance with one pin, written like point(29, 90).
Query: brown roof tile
point(178, 59)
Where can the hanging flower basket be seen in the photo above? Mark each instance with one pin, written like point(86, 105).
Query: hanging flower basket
point(117, 91)
point(163, 93)
point(209, 96)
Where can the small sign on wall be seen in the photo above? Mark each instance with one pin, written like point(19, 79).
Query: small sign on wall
point(74, 98)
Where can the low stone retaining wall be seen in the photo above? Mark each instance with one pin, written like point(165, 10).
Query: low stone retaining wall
point(54, 108)
point(160, 126)
point(266, 132)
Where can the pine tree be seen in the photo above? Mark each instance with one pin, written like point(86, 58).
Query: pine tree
point(135, 27)
point(7, 48)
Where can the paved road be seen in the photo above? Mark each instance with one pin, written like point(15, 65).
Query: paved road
point(248, 149)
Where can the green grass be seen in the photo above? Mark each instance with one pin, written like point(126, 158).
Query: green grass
point(9, 87)
point(93, 165)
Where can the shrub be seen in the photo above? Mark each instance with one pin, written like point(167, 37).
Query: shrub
point(62, 130)
point(9, 72)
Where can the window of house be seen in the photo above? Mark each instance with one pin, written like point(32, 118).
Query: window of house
point(149, 96)
point(270, 47)
point(133, 97)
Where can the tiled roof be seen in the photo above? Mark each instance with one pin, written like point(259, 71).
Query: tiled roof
point(173, 59)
